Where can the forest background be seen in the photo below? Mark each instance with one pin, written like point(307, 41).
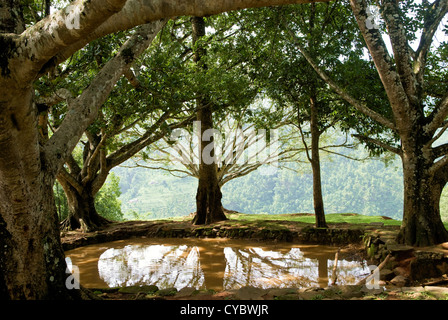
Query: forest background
point(371, 187)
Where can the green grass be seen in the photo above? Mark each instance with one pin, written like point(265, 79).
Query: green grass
point(351, 218)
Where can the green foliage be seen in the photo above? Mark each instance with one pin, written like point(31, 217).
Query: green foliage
point(107, 203)
point(249, 55)
point(60, 201)
point(155, 194)
point(369, 188)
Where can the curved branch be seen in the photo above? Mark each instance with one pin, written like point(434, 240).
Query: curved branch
point(64, 176)
point(437, 117)
point(440, 151)
point(439, 10)
point(40, 43)
point(400, 47)
point(344, 95)
point(380, 143)
point(138, 12)
point(391, 80)
point(89, 165)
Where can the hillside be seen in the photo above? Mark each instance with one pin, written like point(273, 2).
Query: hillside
point(368, 187)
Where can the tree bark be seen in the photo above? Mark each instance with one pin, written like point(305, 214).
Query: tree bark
point(12, 17)
point(208, 196)
point(82, 184)
point(422, 224)
point(31, 259)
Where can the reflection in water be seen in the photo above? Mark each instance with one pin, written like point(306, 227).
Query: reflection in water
point(210, 264)
point(165, 266)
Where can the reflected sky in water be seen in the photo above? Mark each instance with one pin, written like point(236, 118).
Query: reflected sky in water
point(210, 264)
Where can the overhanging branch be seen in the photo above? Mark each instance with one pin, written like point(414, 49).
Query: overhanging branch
point(379, 143)
point(343, 94)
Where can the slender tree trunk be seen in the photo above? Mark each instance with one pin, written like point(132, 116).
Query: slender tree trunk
point(208, 197)
point(315, 164)
point(422, 224)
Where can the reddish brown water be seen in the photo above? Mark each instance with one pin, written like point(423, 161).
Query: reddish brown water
point(210, 264)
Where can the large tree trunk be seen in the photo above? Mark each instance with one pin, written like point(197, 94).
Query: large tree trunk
point(208, 197)
point(318, 201)
point(32, 261)
point(422, 224)
point(82, 212)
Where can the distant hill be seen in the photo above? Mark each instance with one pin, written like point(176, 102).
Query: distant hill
point(368, 187)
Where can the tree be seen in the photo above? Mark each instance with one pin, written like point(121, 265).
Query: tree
point(239, 150)
point(286, 77)
point(29, 170)
point(109, 141)
point(323, 111)
point(33, 264)
point(417, 109)
point(208, 197)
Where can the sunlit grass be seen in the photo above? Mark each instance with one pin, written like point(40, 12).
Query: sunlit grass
point(351, 218)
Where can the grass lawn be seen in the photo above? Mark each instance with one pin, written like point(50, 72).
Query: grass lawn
point(352, 218)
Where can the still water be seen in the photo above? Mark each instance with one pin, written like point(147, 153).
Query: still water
point(218, 264)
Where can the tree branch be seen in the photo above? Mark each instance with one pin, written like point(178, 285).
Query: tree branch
point(90, 165)
point(40, 43)
point(400, 47)
point(386, 69)
point(434, 18)
point(75, 170)
point(68, 178)
point(437, 117)
point(442, 164)
point(146, 139)
point(379, 143)
point(344, 95)
point(83, 110)
point(138, 12)
point(60, 95)
point(440, 151)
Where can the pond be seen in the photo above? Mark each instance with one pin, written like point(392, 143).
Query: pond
point(218, 264)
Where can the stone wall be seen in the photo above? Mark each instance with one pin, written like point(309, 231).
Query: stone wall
point(406, 265)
